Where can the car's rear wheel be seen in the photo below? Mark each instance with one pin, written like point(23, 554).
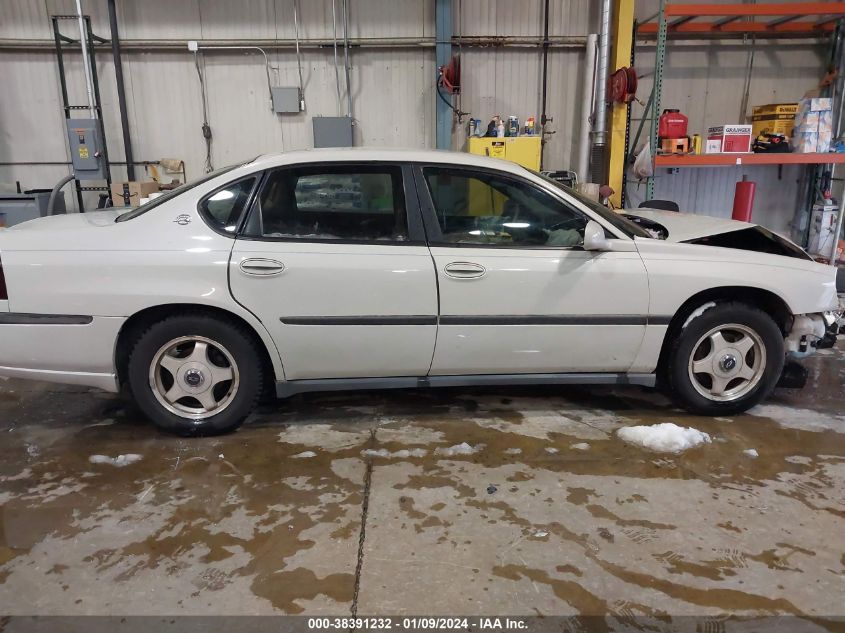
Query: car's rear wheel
point(725, 360)
point(195, 374)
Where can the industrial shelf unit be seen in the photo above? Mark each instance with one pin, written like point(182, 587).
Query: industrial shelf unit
point(722, 160)
point(719, 21)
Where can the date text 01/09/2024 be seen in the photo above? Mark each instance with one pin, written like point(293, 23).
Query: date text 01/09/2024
point(417, 623)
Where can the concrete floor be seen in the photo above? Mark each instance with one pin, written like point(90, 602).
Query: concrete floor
point(550, 514)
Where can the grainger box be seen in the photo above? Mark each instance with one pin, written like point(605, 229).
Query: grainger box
point(729, 139)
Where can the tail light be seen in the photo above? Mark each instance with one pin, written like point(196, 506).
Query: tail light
point(4, 295)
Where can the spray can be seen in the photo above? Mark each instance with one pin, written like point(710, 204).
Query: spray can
point(472, 127)
point(500, 128)
point(513, 126)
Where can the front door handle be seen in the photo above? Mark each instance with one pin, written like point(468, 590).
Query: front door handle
point(261, 267)
point(465, 270)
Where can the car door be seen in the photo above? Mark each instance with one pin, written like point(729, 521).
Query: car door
point(333, 261)
point(518, 293)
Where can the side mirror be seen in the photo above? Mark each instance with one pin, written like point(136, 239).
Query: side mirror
point(594, 238)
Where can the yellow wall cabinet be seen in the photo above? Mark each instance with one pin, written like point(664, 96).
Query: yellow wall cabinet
point(523, 150)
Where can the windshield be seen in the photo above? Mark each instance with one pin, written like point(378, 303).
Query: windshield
point(618, 221)
point(169, 195)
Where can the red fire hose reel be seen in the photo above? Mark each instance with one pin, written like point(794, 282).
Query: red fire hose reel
point(623, 85)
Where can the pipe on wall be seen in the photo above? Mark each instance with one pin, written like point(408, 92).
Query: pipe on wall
point(598, 167)
point(443, 52)
point(345, 6)
point(478, 41)
point(121, 91)
point(587, 92)
point(86, 62)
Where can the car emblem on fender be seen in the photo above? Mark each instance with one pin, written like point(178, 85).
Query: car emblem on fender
point(183, 220)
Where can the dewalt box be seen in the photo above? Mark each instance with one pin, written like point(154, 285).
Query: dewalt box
point(774, 118)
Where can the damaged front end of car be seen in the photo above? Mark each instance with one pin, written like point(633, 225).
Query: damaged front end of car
point(810, 332)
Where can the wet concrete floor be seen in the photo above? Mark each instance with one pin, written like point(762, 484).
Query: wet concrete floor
point(470, 501)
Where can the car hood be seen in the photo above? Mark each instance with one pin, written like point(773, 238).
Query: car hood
point(683, 227)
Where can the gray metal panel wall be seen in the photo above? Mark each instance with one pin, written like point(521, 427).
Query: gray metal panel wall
point(393, 88)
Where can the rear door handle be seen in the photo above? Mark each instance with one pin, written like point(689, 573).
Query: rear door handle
point(465, 270)
point(261, 267)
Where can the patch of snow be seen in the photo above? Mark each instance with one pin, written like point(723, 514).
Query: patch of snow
point(414, 452)
point(697, 313)
point(664, 438)
point(581, 446)
point(799, 459)
point(119, 461)
point(551, 449)
point(801, 419)
point(513, 451)
point(221, 456)
point(371, 452)
point(459, 449)
point(540, 534)
point(751, 452)
point(304, 455)
point(400, 454)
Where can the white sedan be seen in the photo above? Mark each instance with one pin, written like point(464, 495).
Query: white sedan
point(360, 269)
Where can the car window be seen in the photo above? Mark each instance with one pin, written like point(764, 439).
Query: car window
point(345, 202)
point(618, 221)
point(222, 209)
point(476, 207)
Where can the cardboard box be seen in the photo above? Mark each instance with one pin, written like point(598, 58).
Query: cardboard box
point(774, 118)
point(729, 139)
point(813, 126)
point(135, 190)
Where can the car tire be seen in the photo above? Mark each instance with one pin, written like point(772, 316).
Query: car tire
point(725, 359)
point(195, 374)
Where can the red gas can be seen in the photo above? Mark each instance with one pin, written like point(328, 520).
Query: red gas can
point(672, 124)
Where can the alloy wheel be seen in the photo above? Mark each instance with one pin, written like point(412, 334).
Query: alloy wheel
point(727, 362)
point(194, 377)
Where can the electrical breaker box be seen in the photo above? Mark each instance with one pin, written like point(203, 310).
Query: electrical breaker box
point(86, 148)
point(332, 131)
point(285, 99)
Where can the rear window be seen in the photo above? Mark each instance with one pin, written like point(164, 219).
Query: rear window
point(361, 203)
point(223, 208)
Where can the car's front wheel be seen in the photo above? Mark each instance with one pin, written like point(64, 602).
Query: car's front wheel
point(725, 360)
point(195, 374)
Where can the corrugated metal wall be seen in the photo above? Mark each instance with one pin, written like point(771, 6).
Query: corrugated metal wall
point(706, 81)
point(392, 88)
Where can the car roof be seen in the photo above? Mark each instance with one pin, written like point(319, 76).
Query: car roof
point(386, 154)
